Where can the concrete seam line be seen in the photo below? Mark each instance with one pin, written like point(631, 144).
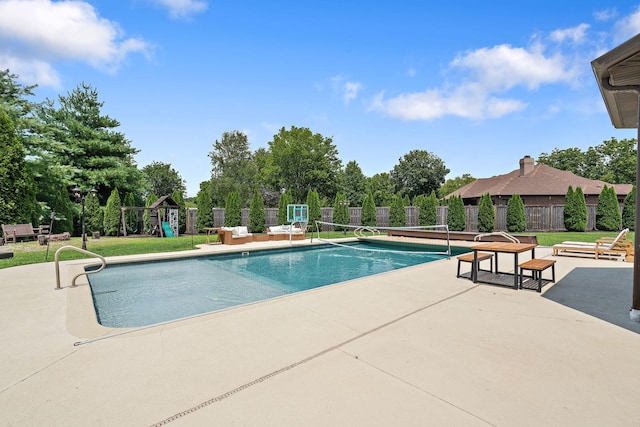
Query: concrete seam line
point(303, 361)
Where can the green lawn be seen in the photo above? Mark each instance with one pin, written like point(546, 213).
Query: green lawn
point(32, 253)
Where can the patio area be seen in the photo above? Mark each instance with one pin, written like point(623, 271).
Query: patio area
point(416, 346)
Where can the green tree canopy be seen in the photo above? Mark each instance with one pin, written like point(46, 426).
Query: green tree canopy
point(382, 188)
point(232, 168)
point(302, 160)
point(453, 184)
point(418, 172)
point(353, 183)
point(163, 179)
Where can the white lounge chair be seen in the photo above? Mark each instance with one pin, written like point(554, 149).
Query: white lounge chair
point(605, 246)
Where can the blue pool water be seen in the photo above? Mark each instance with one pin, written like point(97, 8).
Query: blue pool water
point(141, 294)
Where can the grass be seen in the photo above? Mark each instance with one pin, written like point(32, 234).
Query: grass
point(32, 253)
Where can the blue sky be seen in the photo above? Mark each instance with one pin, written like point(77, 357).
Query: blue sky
point(478, 84)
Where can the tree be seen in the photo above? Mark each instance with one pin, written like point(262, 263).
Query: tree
point(353, 183)
point(182, 211)
point(453, 184)
point(608, 216)
point(256, 213)
point(232, 211)
point(315, 210)
point(629, 210)
point(341, 211)
point(285, 200)
point(486, 214)
point(516, 221)
point(17, 194)
point(301, 160)
point(204, 203)
point(112, 214)
point(381, 186)
point(232, 168)
point(94, 215)
point(428, 209)
point(456, 216)
point(163, 179)
point(85, 143)
point(369, 214)
point(575, 210)
point(418, 172)
point(397, 213)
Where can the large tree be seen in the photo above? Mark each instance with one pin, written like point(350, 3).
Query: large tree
point(302, 160)
point(381, 186)
point(232, 168)
point(353, 183)
point(163, 179)
point(453, 184)
point(83, 139)
point(418, 172)
point(17, 194)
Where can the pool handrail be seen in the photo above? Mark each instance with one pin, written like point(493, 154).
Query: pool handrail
point(84, 251)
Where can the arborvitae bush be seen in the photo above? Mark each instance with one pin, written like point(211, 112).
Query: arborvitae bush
point(315, 210)
point(112, 214)
point(256, 213)
point(581, 213)
point(486, 214)
point(456, 216)
point(608, 216)
point(285, 199)
point(369, 215)
point(130, 215)
point(397, 214)
point(232, 212)
point(94, 216)
point(429, 210)
point(516, 221)
point(341, 211)
point(629, 210)
point(568, 210)
point(204, 214)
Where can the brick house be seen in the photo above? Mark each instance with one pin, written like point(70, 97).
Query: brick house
point(537, 185)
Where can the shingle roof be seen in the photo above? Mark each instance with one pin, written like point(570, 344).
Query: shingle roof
point(542, 180)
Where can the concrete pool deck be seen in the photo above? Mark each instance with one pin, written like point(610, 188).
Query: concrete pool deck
point(416, 346)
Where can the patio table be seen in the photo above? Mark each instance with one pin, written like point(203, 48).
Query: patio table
point(500, 247)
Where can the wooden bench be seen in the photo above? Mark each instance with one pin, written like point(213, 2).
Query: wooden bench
point(482, 256)
point(537, 266)
point(17, 231)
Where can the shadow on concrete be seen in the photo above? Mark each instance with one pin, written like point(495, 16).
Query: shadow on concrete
point(604, 293)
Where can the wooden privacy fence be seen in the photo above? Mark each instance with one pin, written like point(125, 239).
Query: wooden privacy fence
point(538, 218)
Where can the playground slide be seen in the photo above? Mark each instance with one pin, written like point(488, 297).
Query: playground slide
point(168, 232)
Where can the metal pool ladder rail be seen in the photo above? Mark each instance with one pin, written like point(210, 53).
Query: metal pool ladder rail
point(73, 281)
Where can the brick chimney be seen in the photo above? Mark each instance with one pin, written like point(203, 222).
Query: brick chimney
point(526, 165)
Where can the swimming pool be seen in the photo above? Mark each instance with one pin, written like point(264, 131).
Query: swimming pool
point(147, 293)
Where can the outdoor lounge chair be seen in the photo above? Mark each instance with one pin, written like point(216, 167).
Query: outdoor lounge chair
point(605, 246)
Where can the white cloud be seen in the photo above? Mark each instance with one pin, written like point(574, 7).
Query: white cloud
point(183, 8)
point(43, 32)
point(605, 15)
point(627, 27)
point(486, 73)
point(348, 90)
point(575, 35)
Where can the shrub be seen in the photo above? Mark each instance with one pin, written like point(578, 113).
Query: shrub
point(575, 210)
point(341, 211)
point(516, 221)
point(315, 211)
point(369, 215)
point(146, 217)
point(456, 215)
point(285, 199)
point(256, 213)
point(112, 214)
point(204, 214)
point(94, 216)
point(486, 214)
point(232, 212)
point(608, 216)
point(629, 210)
point(397, 214)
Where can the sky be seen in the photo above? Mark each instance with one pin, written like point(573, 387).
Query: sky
point(477, 84)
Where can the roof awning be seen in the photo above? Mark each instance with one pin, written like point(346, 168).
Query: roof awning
point(618, 76)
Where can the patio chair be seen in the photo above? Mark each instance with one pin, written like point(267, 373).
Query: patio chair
point(604, 246)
